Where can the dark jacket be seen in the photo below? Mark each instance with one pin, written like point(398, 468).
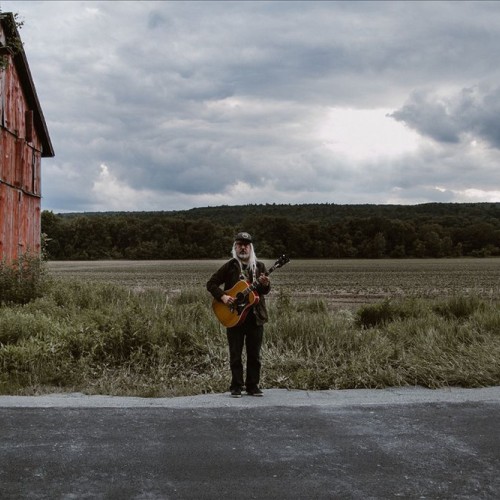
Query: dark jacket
point(228, 275)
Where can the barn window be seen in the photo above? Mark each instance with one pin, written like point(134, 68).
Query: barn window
point(34, 173)
point(28, 119)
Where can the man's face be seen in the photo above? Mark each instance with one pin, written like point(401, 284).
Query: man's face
point(243, 250)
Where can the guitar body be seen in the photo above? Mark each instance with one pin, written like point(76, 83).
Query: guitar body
point(245, 297)
point(234, 314)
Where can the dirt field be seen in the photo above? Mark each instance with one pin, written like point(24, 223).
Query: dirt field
point(342, 283)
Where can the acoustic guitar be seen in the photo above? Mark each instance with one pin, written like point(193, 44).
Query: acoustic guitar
point(245, 296)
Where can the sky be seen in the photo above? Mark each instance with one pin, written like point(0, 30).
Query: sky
point(171, 105)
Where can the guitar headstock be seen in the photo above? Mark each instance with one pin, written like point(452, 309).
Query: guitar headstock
point(281, 261)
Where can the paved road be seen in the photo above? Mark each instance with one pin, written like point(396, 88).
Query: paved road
point(378, 444)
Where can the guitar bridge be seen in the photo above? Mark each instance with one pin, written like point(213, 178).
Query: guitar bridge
point(237, 308)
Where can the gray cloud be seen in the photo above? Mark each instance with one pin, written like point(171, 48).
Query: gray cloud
point(189, 103)
point(429, 117)
point(473, 112)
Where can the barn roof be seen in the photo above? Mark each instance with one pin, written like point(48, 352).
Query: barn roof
point(8, 23)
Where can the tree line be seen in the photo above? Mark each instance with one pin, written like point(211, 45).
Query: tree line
point(302, 231)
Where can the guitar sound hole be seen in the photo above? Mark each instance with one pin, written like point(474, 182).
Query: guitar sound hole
point(240, 298)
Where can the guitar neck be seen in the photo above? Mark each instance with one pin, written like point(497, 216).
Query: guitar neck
point(279, 263)
point(255, 284)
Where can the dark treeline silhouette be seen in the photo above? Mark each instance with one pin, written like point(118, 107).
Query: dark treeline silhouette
point(301, 231)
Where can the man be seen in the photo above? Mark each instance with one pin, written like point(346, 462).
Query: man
point(243, 266)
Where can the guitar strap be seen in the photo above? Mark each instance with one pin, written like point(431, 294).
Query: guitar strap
point(245, 273)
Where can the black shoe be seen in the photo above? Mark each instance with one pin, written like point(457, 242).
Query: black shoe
point(236, 393)
point(255, 392)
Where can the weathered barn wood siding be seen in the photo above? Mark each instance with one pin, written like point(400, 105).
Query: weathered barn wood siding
point(21, 149)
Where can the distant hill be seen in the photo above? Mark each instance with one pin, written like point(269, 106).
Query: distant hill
point(236, 214)
point(307, 230)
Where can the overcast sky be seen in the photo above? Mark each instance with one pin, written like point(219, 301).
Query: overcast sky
point(173, 105)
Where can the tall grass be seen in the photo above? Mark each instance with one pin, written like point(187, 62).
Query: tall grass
point(22, 280)
point(102, 338)
point(454, 341)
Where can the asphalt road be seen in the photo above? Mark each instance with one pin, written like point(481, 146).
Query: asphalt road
point(361, 444)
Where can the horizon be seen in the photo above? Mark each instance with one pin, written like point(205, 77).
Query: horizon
point(291, 205)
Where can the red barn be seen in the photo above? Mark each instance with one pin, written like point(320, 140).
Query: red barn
point(24, 140)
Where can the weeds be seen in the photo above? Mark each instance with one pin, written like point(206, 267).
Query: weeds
point(387, 311)
point(103, 338)
point(392, 343)
point(459, 307)
point(22, 280)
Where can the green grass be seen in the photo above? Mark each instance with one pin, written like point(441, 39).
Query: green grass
point(393, 343)
point(22, 280)
point(103, 338)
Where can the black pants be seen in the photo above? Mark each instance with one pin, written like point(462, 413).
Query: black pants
point(249, 334)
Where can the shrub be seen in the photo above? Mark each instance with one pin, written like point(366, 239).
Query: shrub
point(16, 325)
point(314, 306)
point(22, 281)
point(378, 314)
point(459, 307)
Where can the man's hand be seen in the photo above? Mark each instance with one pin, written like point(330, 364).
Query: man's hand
point(227, 299)
point(264, 280)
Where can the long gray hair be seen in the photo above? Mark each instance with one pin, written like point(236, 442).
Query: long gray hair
point(252, 261)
